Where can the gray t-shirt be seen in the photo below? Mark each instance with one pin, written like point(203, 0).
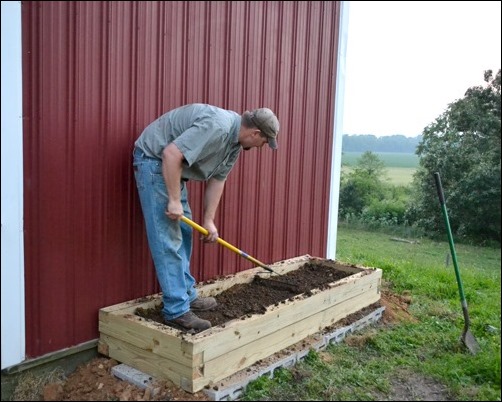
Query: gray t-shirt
point(206, 135)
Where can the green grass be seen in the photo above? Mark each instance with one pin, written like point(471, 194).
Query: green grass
point(428, 348)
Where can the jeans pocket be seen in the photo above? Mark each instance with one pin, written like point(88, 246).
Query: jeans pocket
point(156, 174)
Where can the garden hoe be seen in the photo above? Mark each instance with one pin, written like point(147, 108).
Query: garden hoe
point(467, 337)
point(281, 284)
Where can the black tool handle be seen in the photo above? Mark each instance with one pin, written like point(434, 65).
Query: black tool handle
point(439, 188)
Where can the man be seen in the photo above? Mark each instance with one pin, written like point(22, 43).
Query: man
point(193, 142)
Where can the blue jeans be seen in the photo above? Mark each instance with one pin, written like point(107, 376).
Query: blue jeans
point(170, 241)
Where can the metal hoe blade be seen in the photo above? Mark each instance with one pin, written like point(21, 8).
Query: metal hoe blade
point(467, 337)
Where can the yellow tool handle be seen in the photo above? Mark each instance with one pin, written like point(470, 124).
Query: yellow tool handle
point(226, 244)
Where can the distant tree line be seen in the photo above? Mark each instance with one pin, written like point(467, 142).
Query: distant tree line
point(369, 142)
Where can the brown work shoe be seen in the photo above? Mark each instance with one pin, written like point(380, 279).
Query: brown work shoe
point(203, 304)
point(190, 321)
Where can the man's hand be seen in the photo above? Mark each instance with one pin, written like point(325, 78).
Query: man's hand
point(174, 210)
point(212, 235)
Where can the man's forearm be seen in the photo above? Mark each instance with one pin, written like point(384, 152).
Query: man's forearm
point(212, 196)
point(172, 160)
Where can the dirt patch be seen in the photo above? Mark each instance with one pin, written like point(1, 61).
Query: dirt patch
point(411, 386)
point(94, 381)
point(396, 307)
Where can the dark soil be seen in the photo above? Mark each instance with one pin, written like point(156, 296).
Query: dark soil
point(244, 300)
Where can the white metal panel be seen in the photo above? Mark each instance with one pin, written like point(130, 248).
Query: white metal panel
point(13, 316)
point(336, 156)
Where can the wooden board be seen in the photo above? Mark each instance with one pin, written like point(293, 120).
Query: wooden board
point(194, 361)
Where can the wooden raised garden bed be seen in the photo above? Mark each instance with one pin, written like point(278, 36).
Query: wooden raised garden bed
point(194, 361)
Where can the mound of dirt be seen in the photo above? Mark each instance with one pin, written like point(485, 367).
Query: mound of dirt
point(94, 381)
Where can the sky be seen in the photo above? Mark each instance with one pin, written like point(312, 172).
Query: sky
point(407, 60)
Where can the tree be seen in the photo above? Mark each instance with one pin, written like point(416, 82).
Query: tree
point(362, 184)
point(463, 145)
point(366, 195)
point(370, 165)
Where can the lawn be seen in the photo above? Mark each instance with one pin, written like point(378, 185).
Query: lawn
point(424, 352)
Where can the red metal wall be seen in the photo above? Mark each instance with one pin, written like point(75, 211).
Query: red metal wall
point(95, 74)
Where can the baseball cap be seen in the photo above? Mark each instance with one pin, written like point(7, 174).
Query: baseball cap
point(266, 121)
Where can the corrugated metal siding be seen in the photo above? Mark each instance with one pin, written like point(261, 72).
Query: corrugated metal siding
point(95, 74)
